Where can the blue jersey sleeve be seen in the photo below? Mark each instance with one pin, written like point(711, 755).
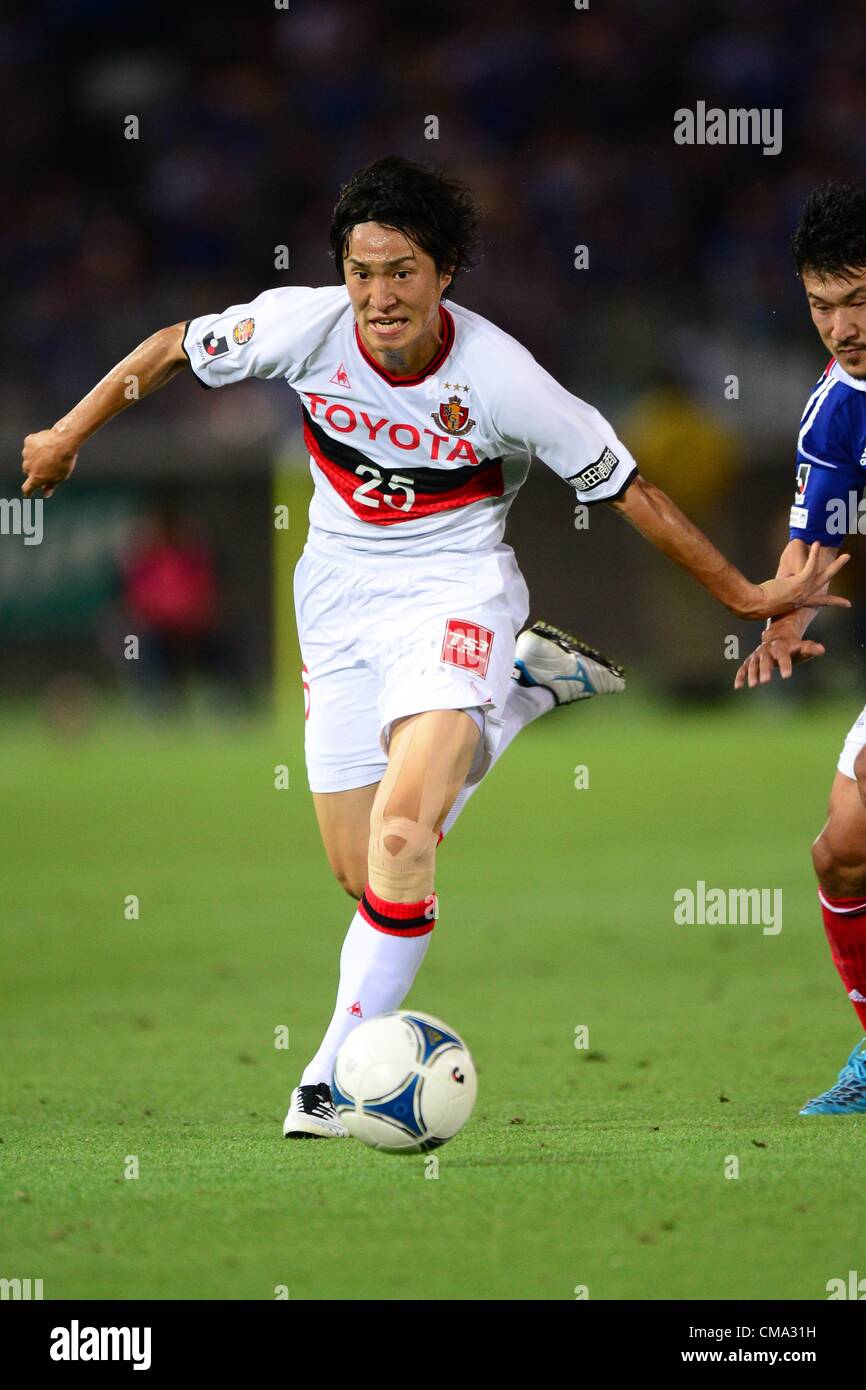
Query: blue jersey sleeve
point(831, 464)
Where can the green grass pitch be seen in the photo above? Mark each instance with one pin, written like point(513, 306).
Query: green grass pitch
point(154, 1037)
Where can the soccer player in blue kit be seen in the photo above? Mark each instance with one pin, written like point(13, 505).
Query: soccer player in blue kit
point(829, 247)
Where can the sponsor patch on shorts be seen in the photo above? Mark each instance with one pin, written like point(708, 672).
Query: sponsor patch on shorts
point(468, 645)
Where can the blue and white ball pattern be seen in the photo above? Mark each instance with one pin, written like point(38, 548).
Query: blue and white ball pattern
point(404, 1082)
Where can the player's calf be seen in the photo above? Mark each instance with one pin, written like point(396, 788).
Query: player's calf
point(344, 824)
point(838, 861)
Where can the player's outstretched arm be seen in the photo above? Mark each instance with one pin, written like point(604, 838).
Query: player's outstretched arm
point(660, 520)
point(782, 645)
point(49, 455)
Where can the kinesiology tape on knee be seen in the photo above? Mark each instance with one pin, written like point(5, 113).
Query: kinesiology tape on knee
point(403, 847)
point(402, 858)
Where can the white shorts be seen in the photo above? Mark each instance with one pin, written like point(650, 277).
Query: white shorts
point(387, 636)
point(854, 741)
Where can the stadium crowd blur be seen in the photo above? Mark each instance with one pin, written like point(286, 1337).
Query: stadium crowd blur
point(560, 119)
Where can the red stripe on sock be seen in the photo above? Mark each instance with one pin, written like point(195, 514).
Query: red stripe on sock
point(400, 919)
point(420, 930)
point(843, 905)
point(398, 910)
point(845, 926)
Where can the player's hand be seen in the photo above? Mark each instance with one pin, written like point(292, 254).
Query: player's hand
point(801, 590)
point(780, 654)
point(48, 459)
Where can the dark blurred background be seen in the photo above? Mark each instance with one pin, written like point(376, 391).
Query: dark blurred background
point(562, 121)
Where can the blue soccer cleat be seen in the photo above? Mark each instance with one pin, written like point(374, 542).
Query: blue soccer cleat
point(848, 1096)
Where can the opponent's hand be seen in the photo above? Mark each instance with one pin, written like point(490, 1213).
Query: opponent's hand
point(780, 654)
point(48, 459)
point(800, 590)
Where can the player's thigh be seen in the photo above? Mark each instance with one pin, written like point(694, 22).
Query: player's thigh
point(345, 764)
point(429, 756)
point(841, 846)
point(452, 650)
point(344, 824)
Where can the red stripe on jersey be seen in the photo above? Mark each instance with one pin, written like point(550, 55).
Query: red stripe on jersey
point(443, 350)
point(486, 481)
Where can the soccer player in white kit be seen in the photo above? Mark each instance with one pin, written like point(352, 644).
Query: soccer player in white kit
point(421, 419)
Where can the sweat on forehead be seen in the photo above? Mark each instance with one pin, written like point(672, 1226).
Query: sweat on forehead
point(369, 240)
point(843, 284)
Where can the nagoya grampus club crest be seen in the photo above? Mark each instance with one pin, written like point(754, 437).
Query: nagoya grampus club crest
point(453, 416)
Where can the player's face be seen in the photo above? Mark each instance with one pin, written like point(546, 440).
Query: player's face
point(838, 309)
point(395, 289)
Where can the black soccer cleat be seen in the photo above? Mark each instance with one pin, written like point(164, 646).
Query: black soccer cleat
point(311, 1115)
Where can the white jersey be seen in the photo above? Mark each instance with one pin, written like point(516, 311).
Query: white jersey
point(411, 465)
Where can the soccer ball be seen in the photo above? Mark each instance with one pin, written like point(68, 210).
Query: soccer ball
point(404, 1082)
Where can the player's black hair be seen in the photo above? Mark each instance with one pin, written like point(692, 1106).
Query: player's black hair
point(438, 213)
point(830, 238)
